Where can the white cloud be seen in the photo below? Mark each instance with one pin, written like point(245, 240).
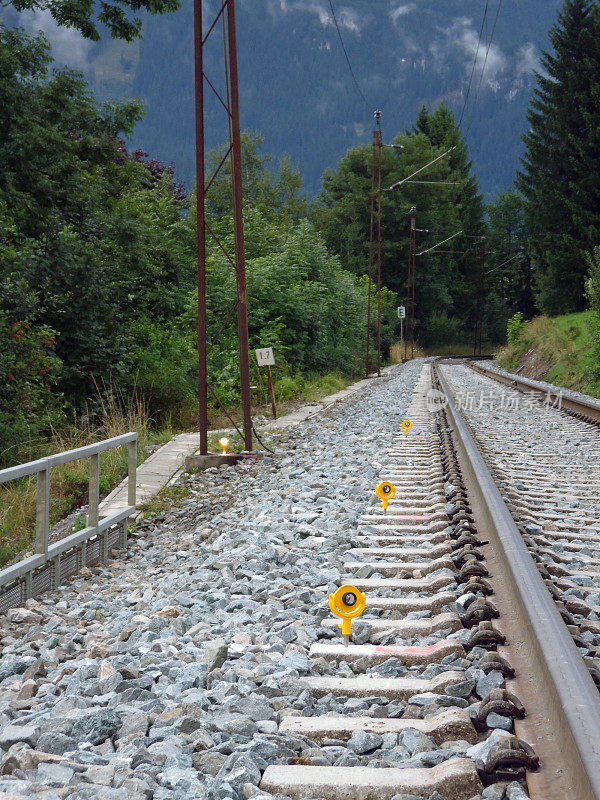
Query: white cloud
point(527, 60)
point(467, 38)
point(401, 11)
point(347, 17)
point(68, 46)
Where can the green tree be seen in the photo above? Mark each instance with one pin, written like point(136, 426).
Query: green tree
point(300, 301)
point(444, 285)
point(593, 298)
point(510, 279)
point(461, 271)
point(276, 193)
point(560, 179)
point(119, 17)
point(96, 233)
point(342, 211)
point(29, 368)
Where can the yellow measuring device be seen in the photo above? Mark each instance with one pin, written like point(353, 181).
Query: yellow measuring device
point(348, 603)
point(385, 492)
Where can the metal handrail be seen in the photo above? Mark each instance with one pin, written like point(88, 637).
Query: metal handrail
point(41, 467)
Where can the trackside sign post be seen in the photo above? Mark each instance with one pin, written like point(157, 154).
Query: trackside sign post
point(401, 317)
point(265, 358)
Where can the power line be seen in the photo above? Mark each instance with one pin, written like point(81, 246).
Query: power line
point(487, 52)
point(356, 83)
point(462, 113)
point(439, 244)
point(418, 172)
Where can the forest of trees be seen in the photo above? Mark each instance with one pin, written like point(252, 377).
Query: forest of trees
point(97, 244)
point(98, 263)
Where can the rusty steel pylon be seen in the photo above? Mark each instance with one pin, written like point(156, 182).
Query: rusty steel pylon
point(410, 285)
point(230, 103)
point(375, 192)
point(480, 307)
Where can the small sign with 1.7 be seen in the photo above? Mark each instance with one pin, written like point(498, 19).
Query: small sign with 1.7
point(265, 357)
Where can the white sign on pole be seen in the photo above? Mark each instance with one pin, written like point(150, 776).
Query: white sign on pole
point(401, 312)
point(265, 357)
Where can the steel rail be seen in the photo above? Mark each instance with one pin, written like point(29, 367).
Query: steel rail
point(561, 682)
point(588, 408)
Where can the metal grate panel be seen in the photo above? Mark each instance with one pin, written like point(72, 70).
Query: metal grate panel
point(69, 563)
point(12, 596)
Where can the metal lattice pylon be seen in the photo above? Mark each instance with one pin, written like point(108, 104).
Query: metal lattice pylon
point(230, 104)
point(375, 213)
point(410, 286)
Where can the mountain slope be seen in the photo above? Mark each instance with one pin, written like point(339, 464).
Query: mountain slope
point(296, 88)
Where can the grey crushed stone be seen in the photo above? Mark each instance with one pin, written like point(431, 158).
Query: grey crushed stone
point(163, 675)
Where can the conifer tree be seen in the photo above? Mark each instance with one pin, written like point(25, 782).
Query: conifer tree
point(443, 133)
point(561, 167)
point(445, 287)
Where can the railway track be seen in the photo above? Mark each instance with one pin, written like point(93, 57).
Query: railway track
point(467, 677)
point(551, 487)
point(476, 645)
point(580, 406)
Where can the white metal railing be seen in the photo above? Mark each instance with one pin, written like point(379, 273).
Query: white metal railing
point(51, 554)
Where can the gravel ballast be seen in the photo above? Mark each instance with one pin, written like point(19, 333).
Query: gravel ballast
point(165, 673)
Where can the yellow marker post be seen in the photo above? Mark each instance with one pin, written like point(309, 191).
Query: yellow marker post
point(224, 442)
point(385, 492)
point(348, 603)
point(407, 426)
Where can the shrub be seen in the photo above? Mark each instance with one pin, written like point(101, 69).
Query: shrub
point(593, 297)
point(441, 329)
point(515, 328)
point(28, 372)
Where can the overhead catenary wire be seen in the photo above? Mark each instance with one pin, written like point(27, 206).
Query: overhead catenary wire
point(354, 78)
point(435, 183)
point(439, 244)
point(487, 53)
point(418, 172)
point(505, 263)
point(462, 113)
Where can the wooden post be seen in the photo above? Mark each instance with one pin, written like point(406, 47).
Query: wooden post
point(271, 392)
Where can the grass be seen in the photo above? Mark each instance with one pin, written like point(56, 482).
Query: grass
point(452, 350)
point(397, 353)
point(557, 350)
point(324, 385)
point(69, 482)
point(165, 500)
point(290, 390)
point(434, 350)
point(298, 388)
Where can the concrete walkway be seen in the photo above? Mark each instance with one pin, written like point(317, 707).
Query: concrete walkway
point(156, 471)
point(159, 468)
